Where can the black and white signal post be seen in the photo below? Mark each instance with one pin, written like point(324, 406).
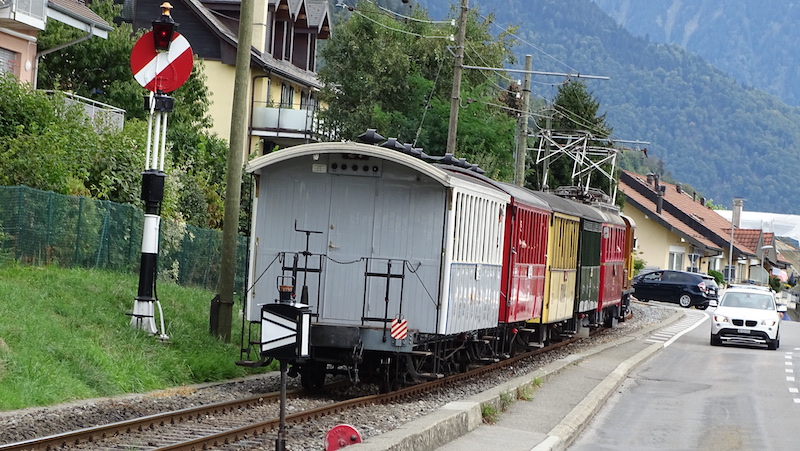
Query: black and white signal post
point(161, 62)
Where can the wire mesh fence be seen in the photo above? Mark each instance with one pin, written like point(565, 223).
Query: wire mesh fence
point(45, 228)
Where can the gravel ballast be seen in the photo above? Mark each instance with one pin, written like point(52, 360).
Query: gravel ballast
point(370, 421)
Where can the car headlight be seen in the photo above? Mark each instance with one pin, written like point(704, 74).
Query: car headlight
point(721, 318)
point(769, 322)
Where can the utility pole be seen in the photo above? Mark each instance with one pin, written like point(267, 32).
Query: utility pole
point(455, 98)
point(522, 139)
point(222, 305)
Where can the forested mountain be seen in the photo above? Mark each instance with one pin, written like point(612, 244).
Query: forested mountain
point(755, 42)
point(724, 139)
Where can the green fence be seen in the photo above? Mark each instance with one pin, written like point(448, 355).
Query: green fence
point(44, 228)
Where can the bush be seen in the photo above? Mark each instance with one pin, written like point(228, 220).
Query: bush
point(718, 276)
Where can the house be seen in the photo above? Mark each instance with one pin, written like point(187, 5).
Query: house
point(22, 20)
point(284, 96)
point(676, 230)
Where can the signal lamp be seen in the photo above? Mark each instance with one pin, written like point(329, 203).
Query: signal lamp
point(163, 29)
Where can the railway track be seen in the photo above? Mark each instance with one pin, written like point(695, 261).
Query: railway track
point(229, 425)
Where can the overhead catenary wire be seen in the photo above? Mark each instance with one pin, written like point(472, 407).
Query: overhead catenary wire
point(451, 22)
point(399, 30)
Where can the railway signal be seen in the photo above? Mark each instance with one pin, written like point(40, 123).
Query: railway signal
point(161, 61)
point(285, 327)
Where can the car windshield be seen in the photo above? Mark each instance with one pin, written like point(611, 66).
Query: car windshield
point(748, 300)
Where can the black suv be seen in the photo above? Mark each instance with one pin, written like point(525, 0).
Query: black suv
point(685, 288)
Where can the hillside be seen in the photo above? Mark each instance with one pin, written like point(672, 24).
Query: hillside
point(753, 42)
point(722, 138)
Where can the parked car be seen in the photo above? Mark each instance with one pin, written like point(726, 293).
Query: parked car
point(747, 316)
point(685, 288)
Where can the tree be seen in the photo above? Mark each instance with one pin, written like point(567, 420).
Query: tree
point(393, 74)
point(99, 69)
point(47, 144)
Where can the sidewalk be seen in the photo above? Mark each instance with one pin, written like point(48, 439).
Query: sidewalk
point(572, 390)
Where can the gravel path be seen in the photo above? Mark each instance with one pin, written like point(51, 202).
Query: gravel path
point(370, 421)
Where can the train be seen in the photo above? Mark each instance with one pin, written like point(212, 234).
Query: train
point(410, 267)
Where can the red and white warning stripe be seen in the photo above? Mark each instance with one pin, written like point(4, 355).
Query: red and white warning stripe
point(165, 71)
point(399, 329)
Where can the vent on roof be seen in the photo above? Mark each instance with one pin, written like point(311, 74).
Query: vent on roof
point(678, 188)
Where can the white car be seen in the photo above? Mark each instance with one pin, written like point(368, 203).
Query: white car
point(747, 316)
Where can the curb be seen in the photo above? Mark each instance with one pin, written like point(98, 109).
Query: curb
point(456, 419)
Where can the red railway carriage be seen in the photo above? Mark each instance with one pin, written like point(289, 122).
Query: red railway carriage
point(612, 261)
point(630, 244)
point(524, 256)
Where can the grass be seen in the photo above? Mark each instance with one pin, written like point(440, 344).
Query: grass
point(489, 413)
point(65, 335)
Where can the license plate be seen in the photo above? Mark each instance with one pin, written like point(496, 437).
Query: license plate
point(744, 331)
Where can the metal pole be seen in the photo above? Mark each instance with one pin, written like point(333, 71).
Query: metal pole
point(280, 442)
point(455, 97)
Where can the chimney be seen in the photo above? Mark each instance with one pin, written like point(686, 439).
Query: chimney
point(703, 201)
point(678, 188)
point(649, 178)
point(660, 199)
point(736, 215)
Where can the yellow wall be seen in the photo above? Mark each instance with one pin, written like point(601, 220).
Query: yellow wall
point(220, 80)
point(260, 26)
point(652, 240)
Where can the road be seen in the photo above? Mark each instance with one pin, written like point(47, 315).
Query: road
point(694, 396)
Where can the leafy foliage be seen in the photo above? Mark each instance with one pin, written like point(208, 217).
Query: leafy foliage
point(107, 165)
point(396, 76)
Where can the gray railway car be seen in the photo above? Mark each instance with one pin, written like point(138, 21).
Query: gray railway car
point(369, 235)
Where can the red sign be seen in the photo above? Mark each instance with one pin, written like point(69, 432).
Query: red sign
point(161, 71)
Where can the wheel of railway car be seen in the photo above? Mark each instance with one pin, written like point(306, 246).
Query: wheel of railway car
point(626, 310)
point(519, 344)
point(312, 376)
point(389, 377)
point(609, 321)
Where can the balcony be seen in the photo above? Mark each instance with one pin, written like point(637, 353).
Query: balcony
point(102, 115)
point(285, 126)
point(32, 13)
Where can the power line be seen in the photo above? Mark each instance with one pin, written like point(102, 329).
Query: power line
point(450, 37)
